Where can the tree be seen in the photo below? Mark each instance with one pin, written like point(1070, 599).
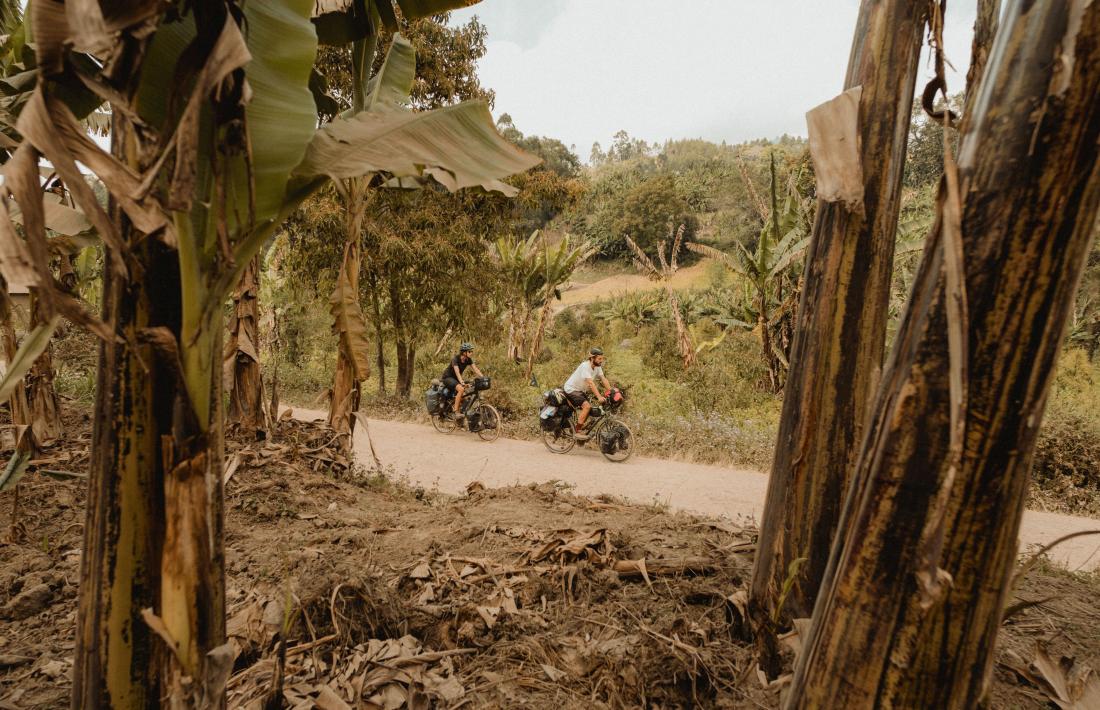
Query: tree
point(520, 260)
point(840, 328)
point(769, 271)
point(444, 71)
point(624, 148)
point(919, 578)
point(649, 212)
point(554, 269)
point(187, 216)
point(668, 266)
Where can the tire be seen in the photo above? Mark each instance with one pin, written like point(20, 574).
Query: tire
point(615, 425)
point(560, 441)
point(442, 423)
point(490, 422)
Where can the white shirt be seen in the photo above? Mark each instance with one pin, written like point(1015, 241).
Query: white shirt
point(585, 371)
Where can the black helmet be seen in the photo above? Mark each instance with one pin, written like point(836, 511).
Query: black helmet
point(466, 347)
point(595, 352)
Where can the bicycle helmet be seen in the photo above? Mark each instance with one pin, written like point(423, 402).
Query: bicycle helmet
point(595, 352)
point(466, 347)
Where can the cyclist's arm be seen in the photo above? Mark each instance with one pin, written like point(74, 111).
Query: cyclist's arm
point(606, 384)
point(458, 375)
point(592, 386)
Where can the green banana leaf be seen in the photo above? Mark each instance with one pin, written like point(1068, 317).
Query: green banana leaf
point(14, 470)
point(393, 84)
point(458, 146)
point(34, 343)
point(281, 114)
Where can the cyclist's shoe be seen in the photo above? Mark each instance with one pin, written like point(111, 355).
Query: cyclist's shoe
point(460, 418)
point(580, 435)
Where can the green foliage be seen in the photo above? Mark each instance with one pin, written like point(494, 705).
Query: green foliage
point(924, 153)
point(577, 325)
point(1066, 468)
point(647, 214)
point(556, 157)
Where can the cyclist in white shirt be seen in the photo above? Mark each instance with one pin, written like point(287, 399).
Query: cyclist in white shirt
point(583, 381)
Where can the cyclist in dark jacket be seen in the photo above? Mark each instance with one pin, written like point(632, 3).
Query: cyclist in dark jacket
point(452, 376)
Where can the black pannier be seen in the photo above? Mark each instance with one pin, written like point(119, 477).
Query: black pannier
point(611, 440)
point(433, 400)
point(481, 384)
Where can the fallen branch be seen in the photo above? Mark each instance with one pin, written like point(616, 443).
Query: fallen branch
point(675, 566)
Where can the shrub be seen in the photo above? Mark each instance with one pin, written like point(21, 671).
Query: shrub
point(1066, 468)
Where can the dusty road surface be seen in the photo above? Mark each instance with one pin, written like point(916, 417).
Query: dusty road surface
point(449, 462)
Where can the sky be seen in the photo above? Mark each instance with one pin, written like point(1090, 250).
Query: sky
point(732, 70)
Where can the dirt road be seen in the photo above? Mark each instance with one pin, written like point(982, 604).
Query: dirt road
point(619, 284)
point(449, 462)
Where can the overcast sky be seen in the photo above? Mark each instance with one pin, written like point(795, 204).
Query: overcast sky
point(732, 70)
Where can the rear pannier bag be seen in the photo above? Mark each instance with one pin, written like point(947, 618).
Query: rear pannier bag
point(433, 400)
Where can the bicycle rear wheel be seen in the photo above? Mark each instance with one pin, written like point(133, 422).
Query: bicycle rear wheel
point(444, 422)
point(489, 422)
point(560, 440)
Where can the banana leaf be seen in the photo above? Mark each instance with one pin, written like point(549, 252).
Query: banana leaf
point(458, 146)
point(20, 459)
point(349, 324)
point(34, 343)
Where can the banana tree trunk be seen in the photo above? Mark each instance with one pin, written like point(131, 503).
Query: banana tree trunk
point(45, 407)
point(683, 338)
point(346, 385)
point(840, 332)
point(246, 398)
point(17, 403)
point(346, 389)
point(524, 330)
point(513, 333)
point(152, 552)
point(913, 600)
point(775, 376)
point(540, 331)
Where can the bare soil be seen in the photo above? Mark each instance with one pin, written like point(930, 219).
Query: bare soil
point(383, 594)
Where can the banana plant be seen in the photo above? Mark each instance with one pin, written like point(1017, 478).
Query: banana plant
point(555, 265)
point(663, 274)
point(635, 309)
point(520, 261)
point(768, 270)
point(214, 143)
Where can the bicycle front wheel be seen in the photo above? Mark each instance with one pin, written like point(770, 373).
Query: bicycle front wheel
point(489, 422)
point(616, 441)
